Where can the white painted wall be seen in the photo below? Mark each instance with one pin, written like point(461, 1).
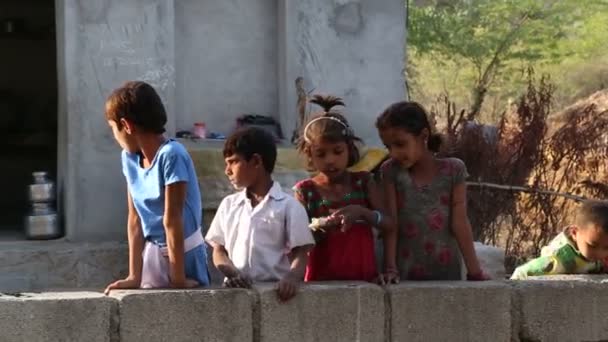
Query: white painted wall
point(105, 43)
point(225, 55)
point(210, 61)
point(351, 49)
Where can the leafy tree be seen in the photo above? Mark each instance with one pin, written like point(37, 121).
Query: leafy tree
point(493, 36)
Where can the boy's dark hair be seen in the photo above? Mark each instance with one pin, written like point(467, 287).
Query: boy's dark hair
point(593, 212)
point(329, 125)
point(249, 141)
point(139, 103)
point(411, 117)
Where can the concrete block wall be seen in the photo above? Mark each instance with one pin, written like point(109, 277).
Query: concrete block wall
point(71, 316)
point(455, 311)
point(570, 309)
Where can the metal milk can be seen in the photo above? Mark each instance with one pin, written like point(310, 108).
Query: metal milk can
point(42, 221)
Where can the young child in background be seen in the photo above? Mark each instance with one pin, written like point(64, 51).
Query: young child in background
point(343, 205)
point(427, 197)
point(259, 234)
point(581, 248)
point(166, 247)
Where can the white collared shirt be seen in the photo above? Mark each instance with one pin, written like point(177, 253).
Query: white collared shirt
point(259, 239)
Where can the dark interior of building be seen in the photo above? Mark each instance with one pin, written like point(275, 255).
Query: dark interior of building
point(28, 105)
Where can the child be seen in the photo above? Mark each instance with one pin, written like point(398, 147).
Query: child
point(166, 246)
point(343, 205)
point(581, 248)
point(259, 234)
point(427, 195)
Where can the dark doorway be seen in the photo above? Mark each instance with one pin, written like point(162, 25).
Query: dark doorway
point(28, 105)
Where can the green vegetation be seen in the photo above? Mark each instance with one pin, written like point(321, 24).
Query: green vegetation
point(477, 51)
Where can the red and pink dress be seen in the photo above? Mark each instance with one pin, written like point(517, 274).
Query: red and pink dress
point(340, 255)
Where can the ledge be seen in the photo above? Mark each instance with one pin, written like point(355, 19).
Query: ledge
point(570, 308)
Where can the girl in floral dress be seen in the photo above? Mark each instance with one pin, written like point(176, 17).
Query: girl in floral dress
point(343, 205)
point(427, 197)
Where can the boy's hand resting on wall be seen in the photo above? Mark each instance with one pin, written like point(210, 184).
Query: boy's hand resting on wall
point(238, 281)
point(287, 287)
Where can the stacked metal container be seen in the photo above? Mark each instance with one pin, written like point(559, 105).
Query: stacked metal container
point(42, 222)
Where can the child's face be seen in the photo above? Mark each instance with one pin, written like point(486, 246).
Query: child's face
point(403, 146)
point(329, 158)
point(591, 241)
point(240, 172)
point(123, 138)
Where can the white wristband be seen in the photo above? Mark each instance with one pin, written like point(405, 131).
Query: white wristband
point(378, 217)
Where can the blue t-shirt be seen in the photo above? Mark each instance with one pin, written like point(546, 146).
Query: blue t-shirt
point(171, 164)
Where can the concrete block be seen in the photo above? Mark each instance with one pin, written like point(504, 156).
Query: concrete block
point(28, 266)
point(69, 316)
point(561, 309)
point(336, 312)
point(185, 315)
point(575, 278)
point(99, 264)
point(450, 311)
point(35, 265)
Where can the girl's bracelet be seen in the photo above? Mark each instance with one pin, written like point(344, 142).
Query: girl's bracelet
point(378, 217)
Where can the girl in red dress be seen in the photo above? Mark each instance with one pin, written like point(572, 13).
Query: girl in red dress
point(343, 205)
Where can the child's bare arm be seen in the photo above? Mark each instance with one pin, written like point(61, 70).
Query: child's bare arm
point(380, 203)
point(136, 246)
point(288, 286)
point(390, 236)
point(222, 262)
point(318, 235)
point(136, 241)
point(175, 197)
point(383, 221)
point(461, 228)
point(299, 260)
point(300, 240)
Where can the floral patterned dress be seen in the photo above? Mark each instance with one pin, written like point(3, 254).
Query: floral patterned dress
point(426, 249)
point(340, 255)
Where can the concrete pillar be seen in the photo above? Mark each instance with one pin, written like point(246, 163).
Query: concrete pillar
point(102, 44)
point(351, 49)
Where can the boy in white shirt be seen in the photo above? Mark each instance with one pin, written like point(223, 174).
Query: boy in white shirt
point(259, 234)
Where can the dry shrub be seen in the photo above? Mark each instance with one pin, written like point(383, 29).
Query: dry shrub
point(524, 151)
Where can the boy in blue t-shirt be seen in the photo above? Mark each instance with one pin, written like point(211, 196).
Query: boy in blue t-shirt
point(166, 247)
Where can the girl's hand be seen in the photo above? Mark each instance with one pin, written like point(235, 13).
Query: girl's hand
point(324, 224)
point(127, 283)
point(389, 277)
point(348, 215)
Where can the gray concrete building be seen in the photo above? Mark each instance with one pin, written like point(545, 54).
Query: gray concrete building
point(211, 61)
